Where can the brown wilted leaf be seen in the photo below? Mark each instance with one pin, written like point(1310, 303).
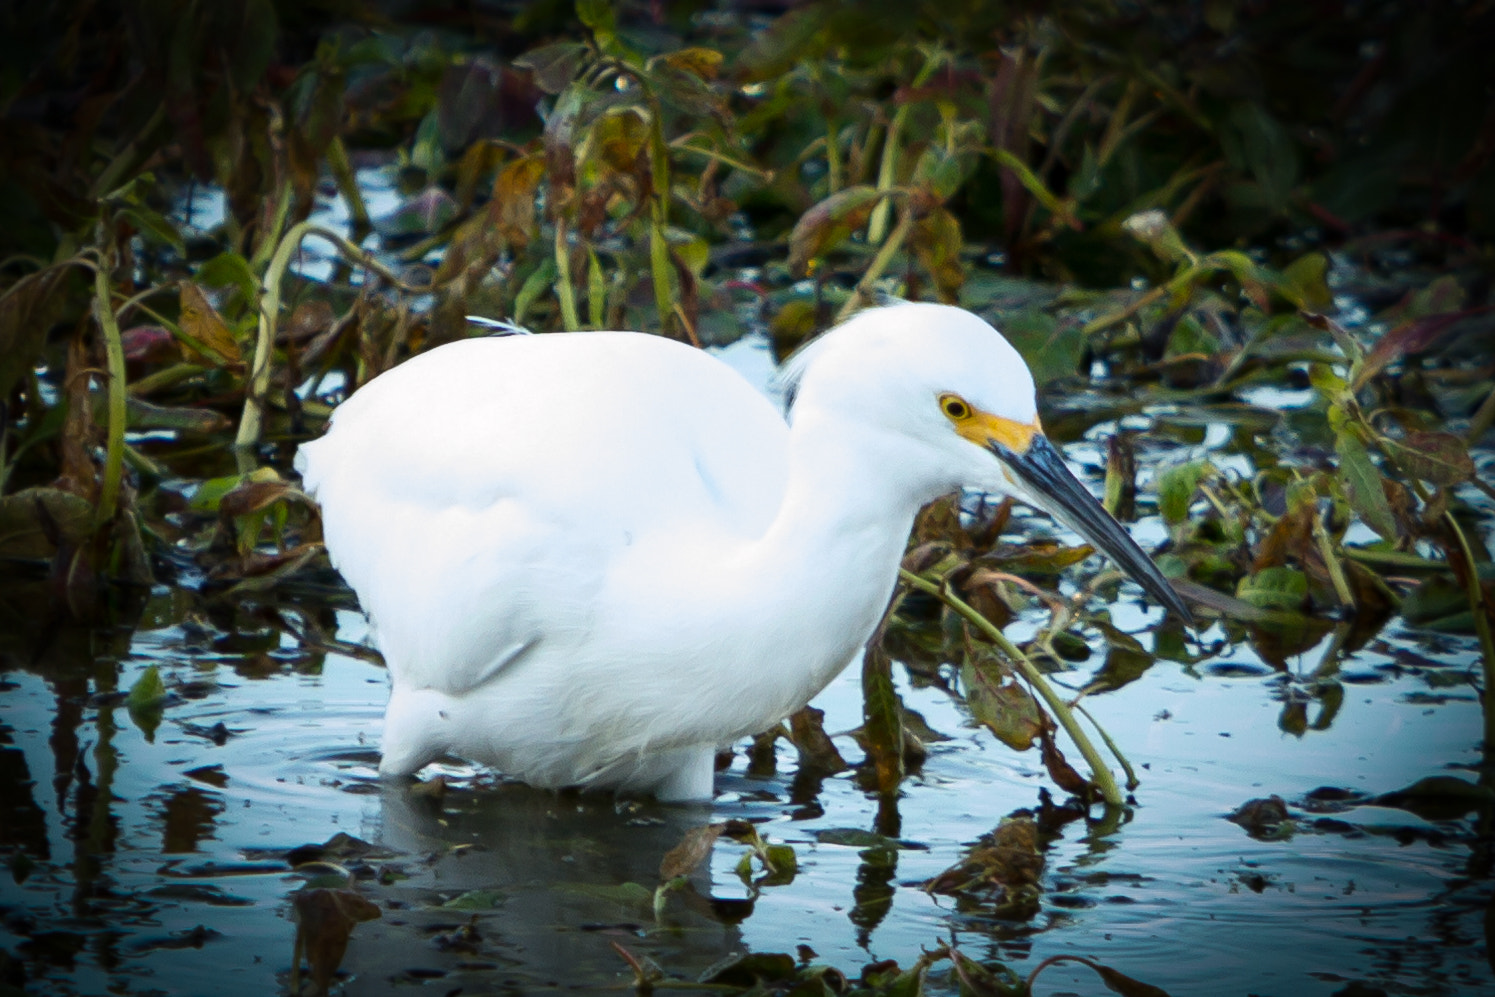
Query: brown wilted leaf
point(28, 310)
point(1408, 339)
point(1263, 818)
point(816, 751)
point(1063, 773)
point(925, 556)
point(882, 728)
point(939, 522)
point(35, 522)
point(1005, 708)
point(1121, 477)
point(512, 209)
point(697, 60)
point(325, 919)
point(1005, 865)
point(1441, 458)
point(693, 849)
point(252, 496)
point(828, 223)
point(1289, 537)
point(311, 318)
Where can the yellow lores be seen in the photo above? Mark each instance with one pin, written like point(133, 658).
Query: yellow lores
point(602, 593)
point(985, 429)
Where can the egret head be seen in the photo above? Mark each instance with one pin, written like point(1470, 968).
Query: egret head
point(946, 381)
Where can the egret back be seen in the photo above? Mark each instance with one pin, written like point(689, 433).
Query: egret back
point(475, 496)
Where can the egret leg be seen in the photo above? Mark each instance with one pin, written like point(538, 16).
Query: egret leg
point(692, 778)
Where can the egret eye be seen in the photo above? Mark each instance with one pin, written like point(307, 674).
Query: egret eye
point(955, 407)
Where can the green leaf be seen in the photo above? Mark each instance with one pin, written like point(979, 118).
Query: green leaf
point(554, 65)
point(1257, 142)
point(1052, 349)
point(1274, 588)
point(1305, 283)
point(148, 690)
point(782, 865)
point(598, 16)
point(146, 702)
point(154, 226)
point(475, 900)
point(1176, 487)
point(229, 269)
point(1362, 484)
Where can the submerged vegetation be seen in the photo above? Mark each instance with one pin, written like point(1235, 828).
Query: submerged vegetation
point(1245, 247)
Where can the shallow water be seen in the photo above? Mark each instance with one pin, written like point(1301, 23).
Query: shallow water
point(159, 865)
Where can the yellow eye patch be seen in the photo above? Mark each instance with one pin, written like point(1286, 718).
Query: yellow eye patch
point(985, 429)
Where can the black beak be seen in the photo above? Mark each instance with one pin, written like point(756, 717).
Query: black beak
point(1050, 482)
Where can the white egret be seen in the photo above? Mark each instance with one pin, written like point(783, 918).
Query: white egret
point(593, 559)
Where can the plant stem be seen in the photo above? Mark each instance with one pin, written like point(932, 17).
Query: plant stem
point(1100, 774)
point(565, 290)
point(251, 422)
point(885, 253)
point(1475, 593)
point(1331, 563)
point(114, 454)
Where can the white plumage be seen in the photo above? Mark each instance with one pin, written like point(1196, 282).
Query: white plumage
point(592, 559)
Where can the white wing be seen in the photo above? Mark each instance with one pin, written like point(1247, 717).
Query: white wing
point(475, 496)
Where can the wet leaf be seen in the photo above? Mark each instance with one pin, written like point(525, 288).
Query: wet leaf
point(1439, 603)
point(693, 849)
point(855, 837)
point(1004, 866)
point(628, 895)
point(476, 900)
point(1006, 709)
point(1123, 665)
point(782, 865)
point(1275, 588)
point(35, 521)
point(1064, 774)
point(882, 730)
point(817, 753)
point(1118, 982)
point(1439, 797)
point(148, 692)
point(1362, 484)
point(751, 969)
point(325, 920)
point(1265, 819)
